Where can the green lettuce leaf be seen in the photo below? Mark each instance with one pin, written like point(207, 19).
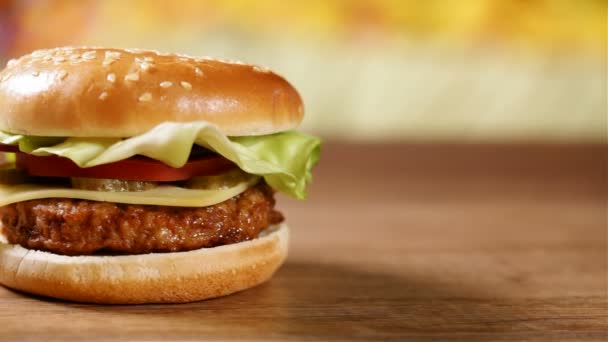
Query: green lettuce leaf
point(285, 160)
point(27, 143)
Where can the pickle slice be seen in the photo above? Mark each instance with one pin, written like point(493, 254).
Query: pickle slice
point(219, 182)
point(111, 185)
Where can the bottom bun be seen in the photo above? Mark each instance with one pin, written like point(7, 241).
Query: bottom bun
point(151, 278)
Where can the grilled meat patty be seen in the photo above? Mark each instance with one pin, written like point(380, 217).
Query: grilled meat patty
point(81, 227)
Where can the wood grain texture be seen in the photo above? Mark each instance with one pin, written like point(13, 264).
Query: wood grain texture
point(435, 242)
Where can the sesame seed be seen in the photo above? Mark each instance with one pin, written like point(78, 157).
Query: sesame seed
point(35, 73)
point(260, 69)
point(38, 53)
point(74, 57)
point(112, 54)
point(111, 57)
point(166, 84)
point(47, 58)
point(89, 55)
point(103, 96)
point(145, 97)
point(59, 59)
point(145, 66)
point(62, 74)
point(148, 59)
point(231, 61)
point(184, 59)
point(4, 78)
point(66, 51)
point(111, 77)
point(186, 85)
point(132, 77)
point(11, 63)
point(198, 71)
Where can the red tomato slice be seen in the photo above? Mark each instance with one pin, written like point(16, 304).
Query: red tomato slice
point(136, 168)
point(9, 148)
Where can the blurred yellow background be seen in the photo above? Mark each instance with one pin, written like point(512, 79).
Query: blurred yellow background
point(435, 70)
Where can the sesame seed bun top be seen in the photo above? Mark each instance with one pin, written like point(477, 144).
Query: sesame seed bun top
point(99, 92)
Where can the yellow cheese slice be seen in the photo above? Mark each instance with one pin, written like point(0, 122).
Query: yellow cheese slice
point(162, 195)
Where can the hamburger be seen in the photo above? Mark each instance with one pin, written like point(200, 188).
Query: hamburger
point(142, 177)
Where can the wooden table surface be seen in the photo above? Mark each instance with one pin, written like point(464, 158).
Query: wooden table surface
point(443, 242)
